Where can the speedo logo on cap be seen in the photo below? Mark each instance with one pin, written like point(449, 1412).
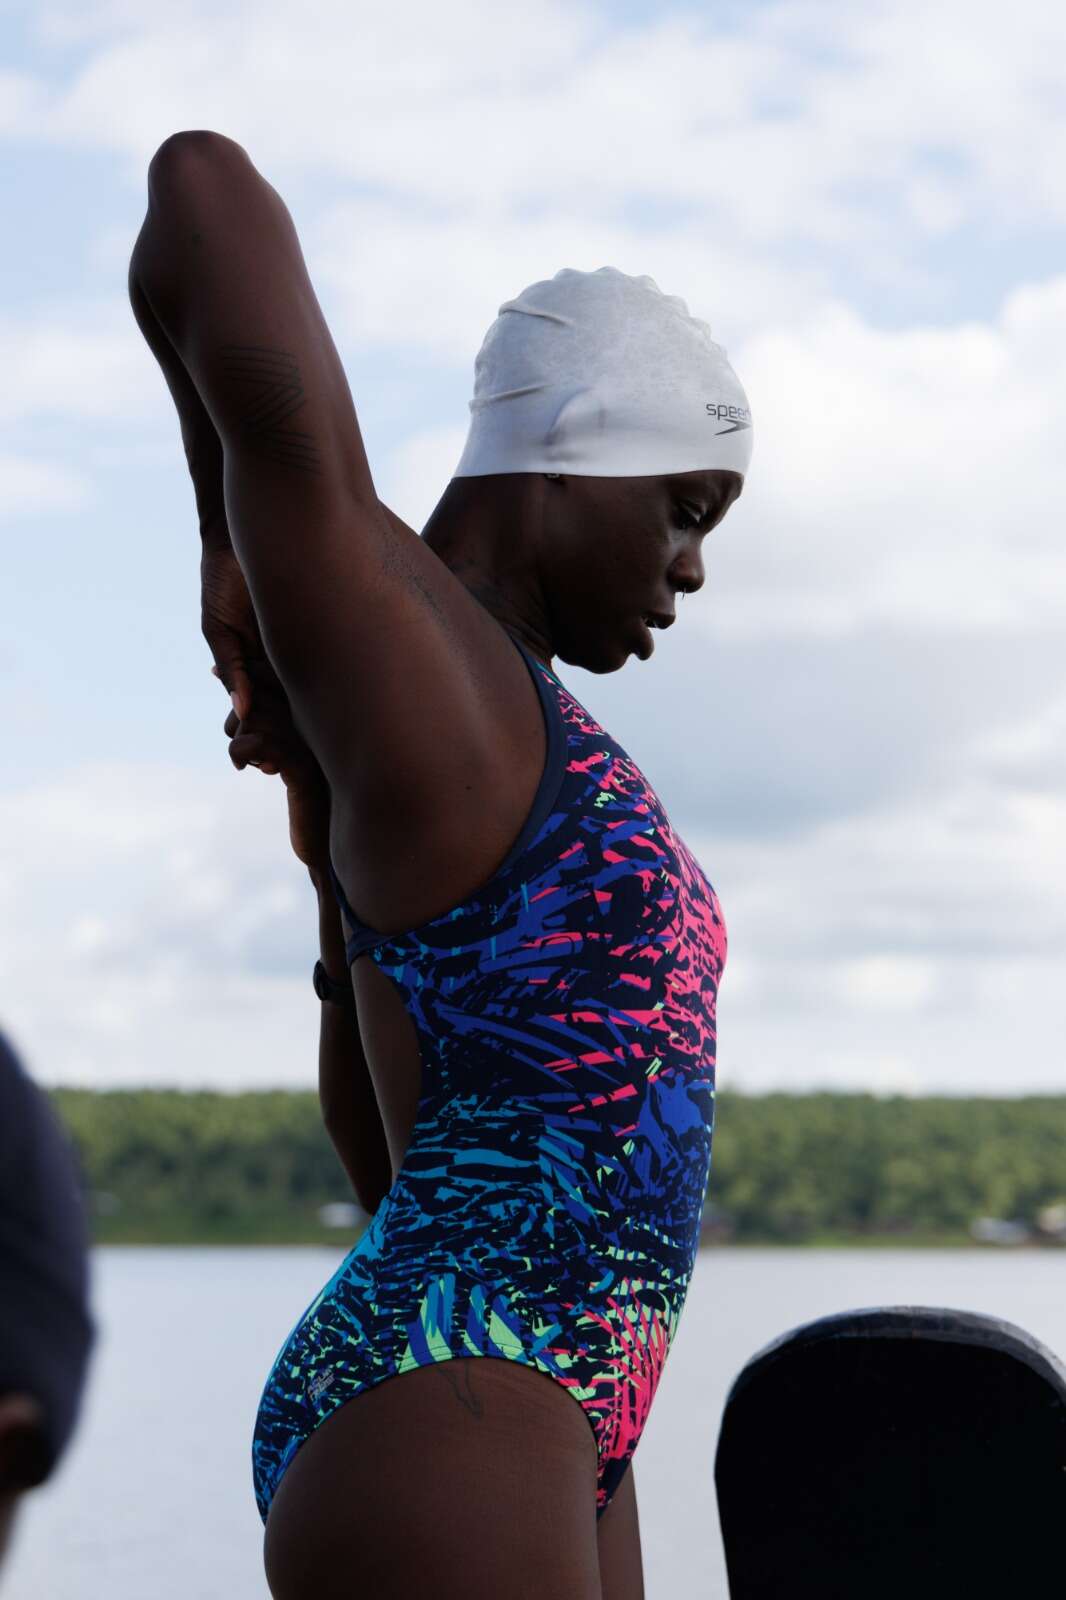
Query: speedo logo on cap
point(737, 416)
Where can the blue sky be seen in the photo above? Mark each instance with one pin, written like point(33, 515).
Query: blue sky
point(859, 722)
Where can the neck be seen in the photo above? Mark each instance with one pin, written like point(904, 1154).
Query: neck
point(485, 531)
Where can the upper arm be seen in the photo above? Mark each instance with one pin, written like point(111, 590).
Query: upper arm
point(221, 267)
point(362, 621)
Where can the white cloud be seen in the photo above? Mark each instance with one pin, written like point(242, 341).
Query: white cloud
point(434, 278)
point(186, 932)
point(886, 983)
point(413, 476)
point(919, 950)
point(29, 488)
point(85, 359)
point(179, 917)
point(22, 99)
point(1030, 752)
point(553, 105)
point(866, 716)
point(903, 476)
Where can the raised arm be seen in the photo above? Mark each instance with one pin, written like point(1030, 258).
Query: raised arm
point(348, 601)
point(228, 618)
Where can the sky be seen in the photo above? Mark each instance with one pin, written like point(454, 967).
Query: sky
point(859, 723)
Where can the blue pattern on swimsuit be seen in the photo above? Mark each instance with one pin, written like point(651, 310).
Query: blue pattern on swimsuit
point(548, 1207)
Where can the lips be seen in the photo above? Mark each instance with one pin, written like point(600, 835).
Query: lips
point(649, 621)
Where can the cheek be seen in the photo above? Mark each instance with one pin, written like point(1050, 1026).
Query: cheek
point(638, 561)
point(607, 569)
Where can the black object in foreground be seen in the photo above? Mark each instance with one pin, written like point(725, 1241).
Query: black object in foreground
point(903, 1451)
point(46, 1325)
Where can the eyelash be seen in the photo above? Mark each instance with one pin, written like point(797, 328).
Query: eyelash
point(685, 519)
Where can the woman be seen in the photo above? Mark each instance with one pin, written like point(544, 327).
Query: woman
point(533, 952)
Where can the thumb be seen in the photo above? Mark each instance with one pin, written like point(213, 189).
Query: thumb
point(233, 677)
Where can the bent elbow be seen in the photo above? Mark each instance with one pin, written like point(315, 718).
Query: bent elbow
point(187, 152)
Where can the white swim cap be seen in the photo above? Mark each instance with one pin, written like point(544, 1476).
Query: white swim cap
point(603, 375)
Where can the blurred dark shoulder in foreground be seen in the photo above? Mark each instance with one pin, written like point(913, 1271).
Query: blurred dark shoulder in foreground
point(46, 1330)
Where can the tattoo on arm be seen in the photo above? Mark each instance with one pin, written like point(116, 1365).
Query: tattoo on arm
point(276, 393)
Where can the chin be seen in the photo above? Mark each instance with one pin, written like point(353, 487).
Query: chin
point(607, 658)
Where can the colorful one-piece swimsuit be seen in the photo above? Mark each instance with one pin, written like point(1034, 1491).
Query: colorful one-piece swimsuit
point(548, 1207)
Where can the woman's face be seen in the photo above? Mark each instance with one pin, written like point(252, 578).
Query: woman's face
point(616, 550)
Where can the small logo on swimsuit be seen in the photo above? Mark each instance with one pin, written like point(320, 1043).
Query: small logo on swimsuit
point(320, 1383)
point(737, 416)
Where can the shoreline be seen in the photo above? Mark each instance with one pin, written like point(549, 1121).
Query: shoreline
point(333, 1240)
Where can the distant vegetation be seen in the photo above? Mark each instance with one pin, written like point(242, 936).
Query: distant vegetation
point(165, 1166)
point(798, 1167)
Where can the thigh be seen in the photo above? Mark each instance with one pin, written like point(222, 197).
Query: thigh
point(618, 1544)
point(469, 1479)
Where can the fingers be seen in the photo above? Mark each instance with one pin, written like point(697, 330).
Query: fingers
point(251, 749)
point(241, 703)
point(265, 747)
point(239, 691)
point(267, 718)
point(251, 679)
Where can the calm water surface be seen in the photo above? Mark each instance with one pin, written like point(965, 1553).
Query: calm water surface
point(155, 1497)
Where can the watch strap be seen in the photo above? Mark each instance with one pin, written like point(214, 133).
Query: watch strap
point(327, 988)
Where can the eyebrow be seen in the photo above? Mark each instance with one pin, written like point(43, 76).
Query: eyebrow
point(682, 485)
point(717, 504)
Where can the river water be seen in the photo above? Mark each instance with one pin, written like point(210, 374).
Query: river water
point(154, 1498)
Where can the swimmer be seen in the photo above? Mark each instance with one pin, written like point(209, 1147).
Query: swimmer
point(520, 955)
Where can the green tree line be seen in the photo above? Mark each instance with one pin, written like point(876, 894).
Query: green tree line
point(796, 1166)
point(171, 1166)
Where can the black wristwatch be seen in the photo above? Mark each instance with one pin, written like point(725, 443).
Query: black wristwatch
point(327, 988)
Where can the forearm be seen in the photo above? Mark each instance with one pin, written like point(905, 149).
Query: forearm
point(345, 1088)
point(199, 436)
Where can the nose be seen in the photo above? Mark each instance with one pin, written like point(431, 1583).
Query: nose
point(687, 573)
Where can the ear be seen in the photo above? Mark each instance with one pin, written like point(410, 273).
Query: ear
point(24, 1460)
